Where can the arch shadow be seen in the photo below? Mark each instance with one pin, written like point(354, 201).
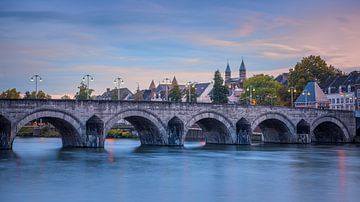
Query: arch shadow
point(149, 127)
point(275, 127)
point(217, 129)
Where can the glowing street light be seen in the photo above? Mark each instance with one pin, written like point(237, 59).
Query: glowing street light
point(251, 90)
point(190, 86)
point(306, 93)
point(88, 78)
point(35, 78)
point(292, 90)
point(118, 81)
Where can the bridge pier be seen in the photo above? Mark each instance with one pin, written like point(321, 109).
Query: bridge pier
point(5, 133)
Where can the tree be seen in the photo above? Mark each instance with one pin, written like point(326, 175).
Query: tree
point(82, 94)
point(65, 97)
point(193, 94)
point(309, 69)
point(40, 95)
point(266, 89)
point(175, 93)
point(220, 91)
point(10, 94)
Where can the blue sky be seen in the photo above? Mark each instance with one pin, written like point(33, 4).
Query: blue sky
point(145, 40)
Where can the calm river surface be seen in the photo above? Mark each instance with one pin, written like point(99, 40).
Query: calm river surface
point(39, 170)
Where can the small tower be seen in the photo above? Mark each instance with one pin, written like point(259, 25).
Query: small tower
point(242, 71)
point(152, 89)
point(227, 71)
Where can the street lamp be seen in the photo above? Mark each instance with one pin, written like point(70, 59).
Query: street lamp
point(292, 90)
point(166, 81)
point(35, 78)
point(250, 89)
point(88, 78)
point(306, 93)
point(190, 86)
point(118, 81)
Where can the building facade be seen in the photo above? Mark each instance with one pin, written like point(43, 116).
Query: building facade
point(342, 91)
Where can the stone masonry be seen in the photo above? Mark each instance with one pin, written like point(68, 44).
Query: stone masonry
point(85, 123)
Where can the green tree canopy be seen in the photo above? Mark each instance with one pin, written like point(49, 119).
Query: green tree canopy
point(40, 95)
point(82, 93)
point(267, 90)
point(175, 93)
point(220, 91)
point(193, 94)
point(309, 69)
point(10, 94)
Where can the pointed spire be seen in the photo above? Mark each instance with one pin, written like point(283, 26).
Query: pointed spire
point(174, 81)
point(152, 85)
point(242, 66)
point(227, 67)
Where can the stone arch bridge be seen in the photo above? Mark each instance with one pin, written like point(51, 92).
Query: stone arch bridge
point(85, 123)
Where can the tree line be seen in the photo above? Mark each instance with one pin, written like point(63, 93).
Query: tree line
point(267, 90)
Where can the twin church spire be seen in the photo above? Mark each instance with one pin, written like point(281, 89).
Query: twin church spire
point(242, 70)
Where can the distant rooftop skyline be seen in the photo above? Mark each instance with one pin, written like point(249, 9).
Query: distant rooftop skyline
point(140, 41)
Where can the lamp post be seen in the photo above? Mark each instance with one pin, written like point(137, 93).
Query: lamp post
point(166, 81)
point(35, 78)
point(190, 84)
point(292, 90)
point(250, 89)
point(306, 93)
point(88, 78)
point(118, 81)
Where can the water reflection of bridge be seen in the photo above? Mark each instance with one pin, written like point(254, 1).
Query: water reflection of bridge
point(85, 123)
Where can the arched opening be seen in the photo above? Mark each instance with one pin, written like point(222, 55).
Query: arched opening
point(175, 130)
point(273, 131)
point(5, 133)
point(243, 131)
point(328, 132)
point(50, 127)
point(303, 127)
point(95, 130)
point(140, 124)
point(213, 130)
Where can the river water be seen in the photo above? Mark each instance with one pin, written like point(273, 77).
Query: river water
point(38, 169)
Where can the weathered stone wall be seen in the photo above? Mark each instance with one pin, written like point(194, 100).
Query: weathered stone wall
point(219, 122)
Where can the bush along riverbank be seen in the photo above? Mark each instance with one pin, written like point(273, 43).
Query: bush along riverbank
point(118, 133)
point(30, 131)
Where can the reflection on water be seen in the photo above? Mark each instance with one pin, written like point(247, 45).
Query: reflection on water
point(38, 169)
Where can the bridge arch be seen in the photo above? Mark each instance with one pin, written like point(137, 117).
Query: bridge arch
point(5, 132)
point(276, 128)
point(70, 128)
point(150, 128)
point(328, 129)
point(216, 128)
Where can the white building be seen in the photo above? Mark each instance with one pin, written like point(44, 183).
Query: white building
point(340, 91)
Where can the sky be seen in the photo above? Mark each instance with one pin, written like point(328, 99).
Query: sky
point(143, 40)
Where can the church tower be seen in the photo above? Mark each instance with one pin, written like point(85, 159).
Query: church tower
point(227, 71)
point(242, 71)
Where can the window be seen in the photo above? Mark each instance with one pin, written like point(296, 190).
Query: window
point(358, 93)
point(333, 100)
point(337, 100)
point(342, 100)
point(347, 100)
